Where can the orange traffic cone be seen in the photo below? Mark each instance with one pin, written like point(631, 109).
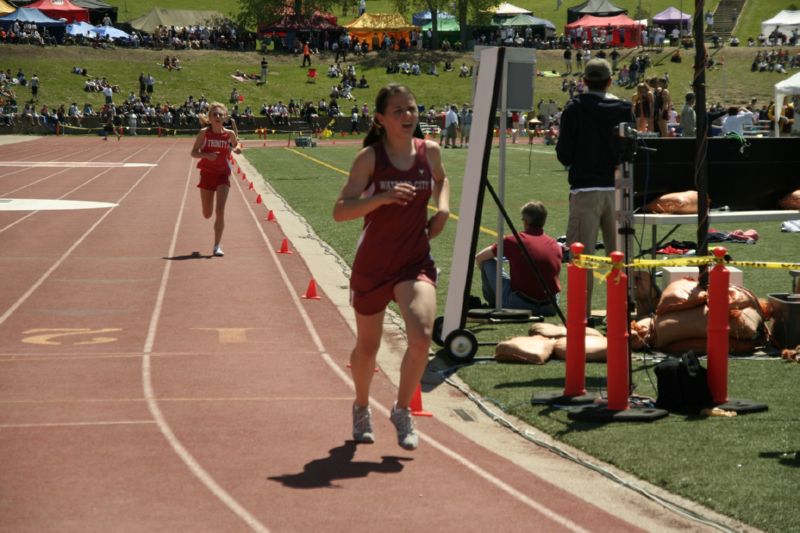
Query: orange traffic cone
point(416, 404)
point(311, 292)
point(271, 216)
point(258, 199)
point(285, 247)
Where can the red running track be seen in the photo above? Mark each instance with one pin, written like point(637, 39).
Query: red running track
point(146, 386)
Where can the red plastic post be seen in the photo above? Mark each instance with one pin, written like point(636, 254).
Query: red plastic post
point(575, 382)
point(718, 328)
point(617, 335)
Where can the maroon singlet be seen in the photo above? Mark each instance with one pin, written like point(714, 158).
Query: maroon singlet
point(219, 143)
point(394, 246)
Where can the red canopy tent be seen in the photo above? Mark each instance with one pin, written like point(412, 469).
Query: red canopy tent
point(629, 37)
point(62, 9)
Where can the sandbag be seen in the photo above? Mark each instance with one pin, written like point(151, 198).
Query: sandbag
point(697, 345)
point(700, 345)
point(555, 331)
point(790, 201)
point(680, 325)
point(535, 350)
point(596, 348)
point(679, 203)
point(681, 294)
point(686, 330)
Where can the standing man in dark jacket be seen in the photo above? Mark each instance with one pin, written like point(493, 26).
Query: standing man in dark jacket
point(586, 146)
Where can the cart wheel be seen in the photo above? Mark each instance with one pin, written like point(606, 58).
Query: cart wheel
point(461, 345)
point(438, 324)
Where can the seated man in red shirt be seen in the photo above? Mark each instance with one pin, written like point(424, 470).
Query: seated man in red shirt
point(521, 287)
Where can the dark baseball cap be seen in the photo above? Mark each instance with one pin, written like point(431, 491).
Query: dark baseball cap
point(597, 69)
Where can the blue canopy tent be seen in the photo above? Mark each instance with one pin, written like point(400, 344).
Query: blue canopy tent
point(79, 28)
point(110, 32)
point(26, 14)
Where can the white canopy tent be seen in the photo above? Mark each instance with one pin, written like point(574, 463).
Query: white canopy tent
point(508, 10)
point(787, 87)
point(785, 22)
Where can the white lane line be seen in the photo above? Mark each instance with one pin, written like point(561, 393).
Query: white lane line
point(45, 153)
point(87, 182)
point(74, 164)
point(77, 424)
point(480, 472)
point(152, 402)
point(22, 299)
point(33, 204)
point(279, 399)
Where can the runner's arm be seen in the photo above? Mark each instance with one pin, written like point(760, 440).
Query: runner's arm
point(351, 204)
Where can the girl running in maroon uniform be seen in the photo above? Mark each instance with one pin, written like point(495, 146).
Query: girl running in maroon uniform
point(390, 183)
point(213, 147)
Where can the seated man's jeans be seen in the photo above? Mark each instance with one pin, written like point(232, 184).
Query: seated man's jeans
point(510, 299)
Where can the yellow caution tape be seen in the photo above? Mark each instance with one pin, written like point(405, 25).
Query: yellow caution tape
point(603, 263)
point(764, 264)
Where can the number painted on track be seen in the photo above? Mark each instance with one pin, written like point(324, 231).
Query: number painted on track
point(53, 336)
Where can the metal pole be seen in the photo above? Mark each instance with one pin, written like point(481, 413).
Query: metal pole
point(701, 139)
point(501, 187)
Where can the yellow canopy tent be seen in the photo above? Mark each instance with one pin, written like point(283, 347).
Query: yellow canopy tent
point(6, 8)
point(371, 25)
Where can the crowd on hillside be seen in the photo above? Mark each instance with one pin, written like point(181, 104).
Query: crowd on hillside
point(775, 61)
point(342, 96)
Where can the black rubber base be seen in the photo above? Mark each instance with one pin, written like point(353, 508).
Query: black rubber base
point(558, 398)
point(742, 406)
point(602, 414)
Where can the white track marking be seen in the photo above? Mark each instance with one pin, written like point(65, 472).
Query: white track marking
point(22, 299)
point(79, 187)
point(152, 402)
point(41, 154)
point(78, 424)
point(74, 164)
point(480, 472)
point(31, 204)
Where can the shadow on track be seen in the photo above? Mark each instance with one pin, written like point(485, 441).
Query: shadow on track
point(193, 255)
point(339, 465)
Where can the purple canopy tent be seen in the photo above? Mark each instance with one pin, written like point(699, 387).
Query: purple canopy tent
point(673, 17)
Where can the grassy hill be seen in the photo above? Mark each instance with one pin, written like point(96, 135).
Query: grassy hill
point(209, 73)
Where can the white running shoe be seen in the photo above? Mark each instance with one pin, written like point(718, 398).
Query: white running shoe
point(218, 251)
point(362, 425)
point(407, 436)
